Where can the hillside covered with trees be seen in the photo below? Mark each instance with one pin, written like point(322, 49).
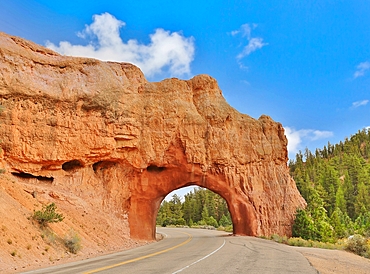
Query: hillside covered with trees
point(335, 182)
point(199, 208)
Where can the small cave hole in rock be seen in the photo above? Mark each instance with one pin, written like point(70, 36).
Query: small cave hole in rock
point(101, 165)
point(24, 175)
point(72, 165)
point(154, 168)
point(195, 207)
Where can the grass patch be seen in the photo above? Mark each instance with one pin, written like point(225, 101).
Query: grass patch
point(279, 239)
point(225, 228)
point(72, 242)
point(48, 236)
point(296, 241)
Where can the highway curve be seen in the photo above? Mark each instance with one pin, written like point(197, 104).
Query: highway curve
point(185, 250)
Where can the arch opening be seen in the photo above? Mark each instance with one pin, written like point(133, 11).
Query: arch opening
point(156, 184)
point(199, 207)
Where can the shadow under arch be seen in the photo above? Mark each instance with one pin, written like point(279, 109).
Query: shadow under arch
point(157, 182)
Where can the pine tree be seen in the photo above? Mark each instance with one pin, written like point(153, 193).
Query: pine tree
point(340, 201)
point(338, 225)
point(362, 201)
point(303, 226)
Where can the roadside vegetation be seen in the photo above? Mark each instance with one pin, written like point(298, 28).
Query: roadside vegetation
point(335, 182)
point(48, 214)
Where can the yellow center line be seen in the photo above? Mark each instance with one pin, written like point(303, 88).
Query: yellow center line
point(142, 257)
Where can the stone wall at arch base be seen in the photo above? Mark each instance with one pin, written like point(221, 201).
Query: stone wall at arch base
point(100, 136)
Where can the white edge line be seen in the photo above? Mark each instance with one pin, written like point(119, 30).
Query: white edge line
point(164, 234)
point(201, 259)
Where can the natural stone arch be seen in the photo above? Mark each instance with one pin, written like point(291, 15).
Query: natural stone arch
point(230, 205)
point(143, 211)
point(118, 143)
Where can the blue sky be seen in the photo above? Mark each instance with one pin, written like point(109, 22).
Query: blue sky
point(304, 63)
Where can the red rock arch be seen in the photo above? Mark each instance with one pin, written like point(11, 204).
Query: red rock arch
point(145, 203)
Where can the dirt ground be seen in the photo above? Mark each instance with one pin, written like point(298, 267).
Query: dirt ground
point(335, 261)
point(24, 245)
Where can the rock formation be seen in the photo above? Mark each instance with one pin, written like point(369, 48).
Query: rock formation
point(120, 144)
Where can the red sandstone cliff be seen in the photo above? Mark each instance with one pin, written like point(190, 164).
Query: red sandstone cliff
point(99, 136)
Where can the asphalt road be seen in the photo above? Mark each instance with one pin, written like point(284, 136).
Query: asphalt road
point(185, 250)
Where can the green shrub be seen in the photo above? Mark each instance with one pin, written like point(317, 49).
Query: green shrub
point(296, 241)
point(211, 221)
point(279, 239)
point(72, 242)
point(224, 221)
point(47, 215)
point(202, 222)
point(276, 238)
point(358, 245)
point(48, 236)
point(229, 228)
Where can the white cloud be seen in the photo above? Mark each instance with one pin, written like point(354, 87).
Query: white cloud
point(294, 139)
point(361, 69)
point(166, 51)
point(246, 30)
point(254, 43)
point(360, 103)
point(235, 32)
point(297, 137)
point(318, 134)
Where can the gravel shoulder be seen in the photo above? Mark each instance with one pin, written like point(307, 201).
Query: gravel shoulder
point(335, 261)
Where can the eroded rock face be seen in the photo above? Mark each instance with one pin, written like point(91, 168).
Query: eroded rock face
point(120, 143)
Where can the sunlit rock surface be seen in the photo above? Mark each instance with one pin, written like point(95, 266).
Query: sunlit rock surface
point(100, 132)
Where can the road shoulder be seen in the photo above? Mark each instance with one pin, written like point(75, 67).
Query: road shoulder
point(335, 261)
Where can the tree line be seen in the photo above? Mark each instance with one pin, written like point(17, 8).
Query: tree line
point(335, 182)
point(199, 207)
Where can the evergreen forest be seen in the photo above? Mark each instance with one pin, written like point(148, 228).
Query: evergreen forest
point(335, 182)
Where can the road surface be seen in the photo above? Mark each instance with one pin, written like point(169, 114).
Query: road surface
point(185, 250)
